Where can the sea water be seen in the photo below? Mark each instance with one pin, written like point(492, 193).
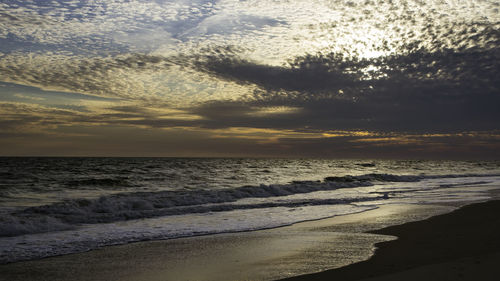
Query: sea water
point(53, 206)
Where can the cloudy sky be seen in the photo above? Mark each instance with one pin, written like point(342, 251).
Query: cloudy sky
point(286, 78)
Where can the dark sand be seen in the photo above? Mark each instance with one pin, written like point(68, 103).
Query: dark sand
point(462, 245)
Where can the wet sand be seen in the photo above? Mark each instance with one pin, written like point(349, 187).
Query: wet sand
point(258, 255)
point(462, 245)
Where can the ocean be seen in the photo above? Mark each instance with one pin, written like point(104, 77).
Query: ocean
point(54, 206)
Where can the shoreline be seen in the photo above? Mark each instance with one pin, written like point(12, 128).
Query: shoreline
point(461, 245)
point(306, 247)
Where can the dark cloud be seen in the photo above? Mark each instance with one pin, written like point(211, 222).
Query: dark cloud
point(447, 51)
point(413, 146)
point(433, 88)
point(18, 119)
point(311, 76)
point(112, 140)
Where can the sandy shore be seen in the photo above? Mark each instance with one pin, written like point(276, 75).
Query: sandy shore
point(462, 245)
point(258, 255)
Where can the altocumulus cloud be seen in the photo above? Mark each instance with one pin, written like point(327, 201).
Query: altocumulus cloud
point(421, 88)
point(395, 70)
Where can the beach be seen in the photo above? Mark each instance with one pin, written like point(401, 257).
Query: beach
point(462, 243)
point(94, 223)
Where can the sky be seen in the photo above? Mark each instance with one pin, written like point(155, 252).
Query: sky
point(250, 78)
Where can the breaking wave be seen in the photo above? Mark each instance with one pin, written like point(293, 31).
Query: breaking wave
point(126, 206)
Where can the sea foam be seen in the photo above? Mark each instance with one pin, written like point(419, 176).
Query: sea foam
point(127, 206)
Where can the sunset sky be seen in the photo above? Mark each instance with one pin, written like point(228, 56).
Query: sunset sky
point(277, 78)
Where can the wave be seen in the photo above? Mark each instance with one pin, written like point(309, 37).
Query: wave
point(70, 213)
point(107, 182)
point(19, 224)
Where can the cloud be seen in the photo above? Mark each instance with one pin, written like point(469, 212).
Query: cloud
point(182, 32)
point(141, 77)
point(61, 21)
point(26, 97)
point(156, 132)
point(107, 77)
point(421, 88)
point(285, 74)
point(25, 119)
point(230, 24)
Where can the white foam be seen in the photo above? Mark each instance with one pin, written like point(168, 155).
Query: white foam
point(92, 236)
